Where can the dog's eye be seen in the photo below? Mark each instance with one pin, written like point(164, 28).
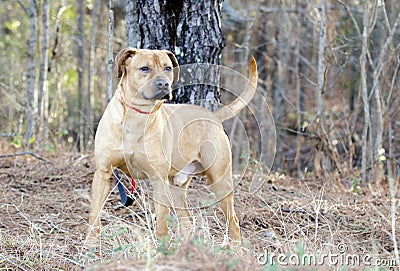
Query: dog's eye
point(144, 69)
point(168, 69)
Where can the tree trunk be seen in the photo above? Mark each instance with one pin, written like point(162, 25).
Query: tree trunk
point(299, 72)
point(192, 30)
point(89, 130)
point(157, 24)
point(326, 142)
point(200, 40)
point(378, 74)
point(110, 49)
point(279, 91)
point(81, 68)
point(131, 19)
point(43, 95)
point(364, 94)
point(321, 64)
point(30, 123)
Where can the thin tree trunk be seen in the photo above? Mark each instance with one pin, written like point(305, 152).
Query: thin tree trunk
point(321, 157)
point(92, 50)
point(376, 89)
point(304, 38)
point(236, 135)
point(264, 87)
point(333, 159)
point(57, 104)
point(279, 91)
point(81, 68)
point(43, 95)
point(131, 19)
point(321, 63)
point(300, 95)
point(110, 49)
point(364, 95)
point(30, 123)
point(393, 187)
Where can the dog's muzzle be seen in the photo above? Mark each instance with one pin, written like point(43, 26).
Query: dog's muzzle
point(161, 88)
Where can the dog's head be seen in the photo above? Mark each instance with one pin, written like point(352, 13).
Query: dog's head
point(148, 72)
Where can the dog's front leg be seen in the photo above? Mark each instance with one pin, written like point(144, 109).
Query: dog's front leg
point(161, 204)
point(180, 207)
point(161, 208)
point(100, 191)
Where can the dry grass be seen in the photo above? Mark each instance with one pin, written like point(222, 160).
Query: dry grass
point(44, 209)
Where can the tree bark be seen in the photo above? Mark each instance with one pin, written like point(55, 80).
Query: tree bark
point(279, 91)
point(321, 64)
point(157, 24)
point(110, 49)
point(30, 123)
point(364, 94)
point(326, 142)
point(376, 89)
point(299, 72)
point(131, 23)
point(192, 30)
point(81, 69)
point(200, 40)
point(89, 128)
point(43, 95)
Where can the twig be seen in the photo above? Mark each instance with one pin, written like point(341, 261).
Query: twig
point(82, 157)
point(11, 262)
point(7, 135)
point(22, 6)
point(25, 153)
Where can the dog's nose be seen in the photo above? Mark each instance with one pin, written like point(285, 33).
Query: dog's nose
point(160, 83)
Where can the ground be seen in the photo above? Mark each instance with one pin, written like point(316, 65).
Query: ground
point(44, 209)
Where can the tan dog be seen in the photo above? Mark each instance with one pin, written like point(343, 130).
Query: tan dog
point(164, 143)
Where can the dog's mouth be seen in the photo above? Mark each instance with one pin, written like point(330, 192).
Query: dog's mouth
point(160, 90)
point(157, 95)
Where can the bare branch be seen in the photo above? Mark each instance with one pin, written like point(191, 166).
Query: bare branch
point(22, 6)
point(357, 28)
point(25, 153)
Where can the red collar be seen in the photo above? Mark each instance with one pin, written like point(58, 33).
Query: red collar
point(137, 109)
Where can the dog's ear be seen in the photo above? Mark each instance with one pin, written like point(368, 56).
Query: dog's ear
point(174, 64)
point(121, 57)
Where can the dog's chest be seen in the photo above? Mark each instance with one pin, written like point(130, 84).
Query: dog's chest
point(145, 164)
point(144, 152)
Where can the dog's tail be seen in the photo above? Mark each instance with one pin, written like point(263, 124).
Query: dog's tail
point(228, 111)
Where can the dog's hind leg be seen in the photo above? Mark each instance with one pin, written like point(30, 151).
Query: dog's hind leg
point(219, 176)
point(218, 169)
point(223, 190)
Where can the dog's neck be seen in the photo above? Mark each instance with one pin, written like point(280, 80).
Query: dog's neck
point(138, 110)
point(131, 103)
